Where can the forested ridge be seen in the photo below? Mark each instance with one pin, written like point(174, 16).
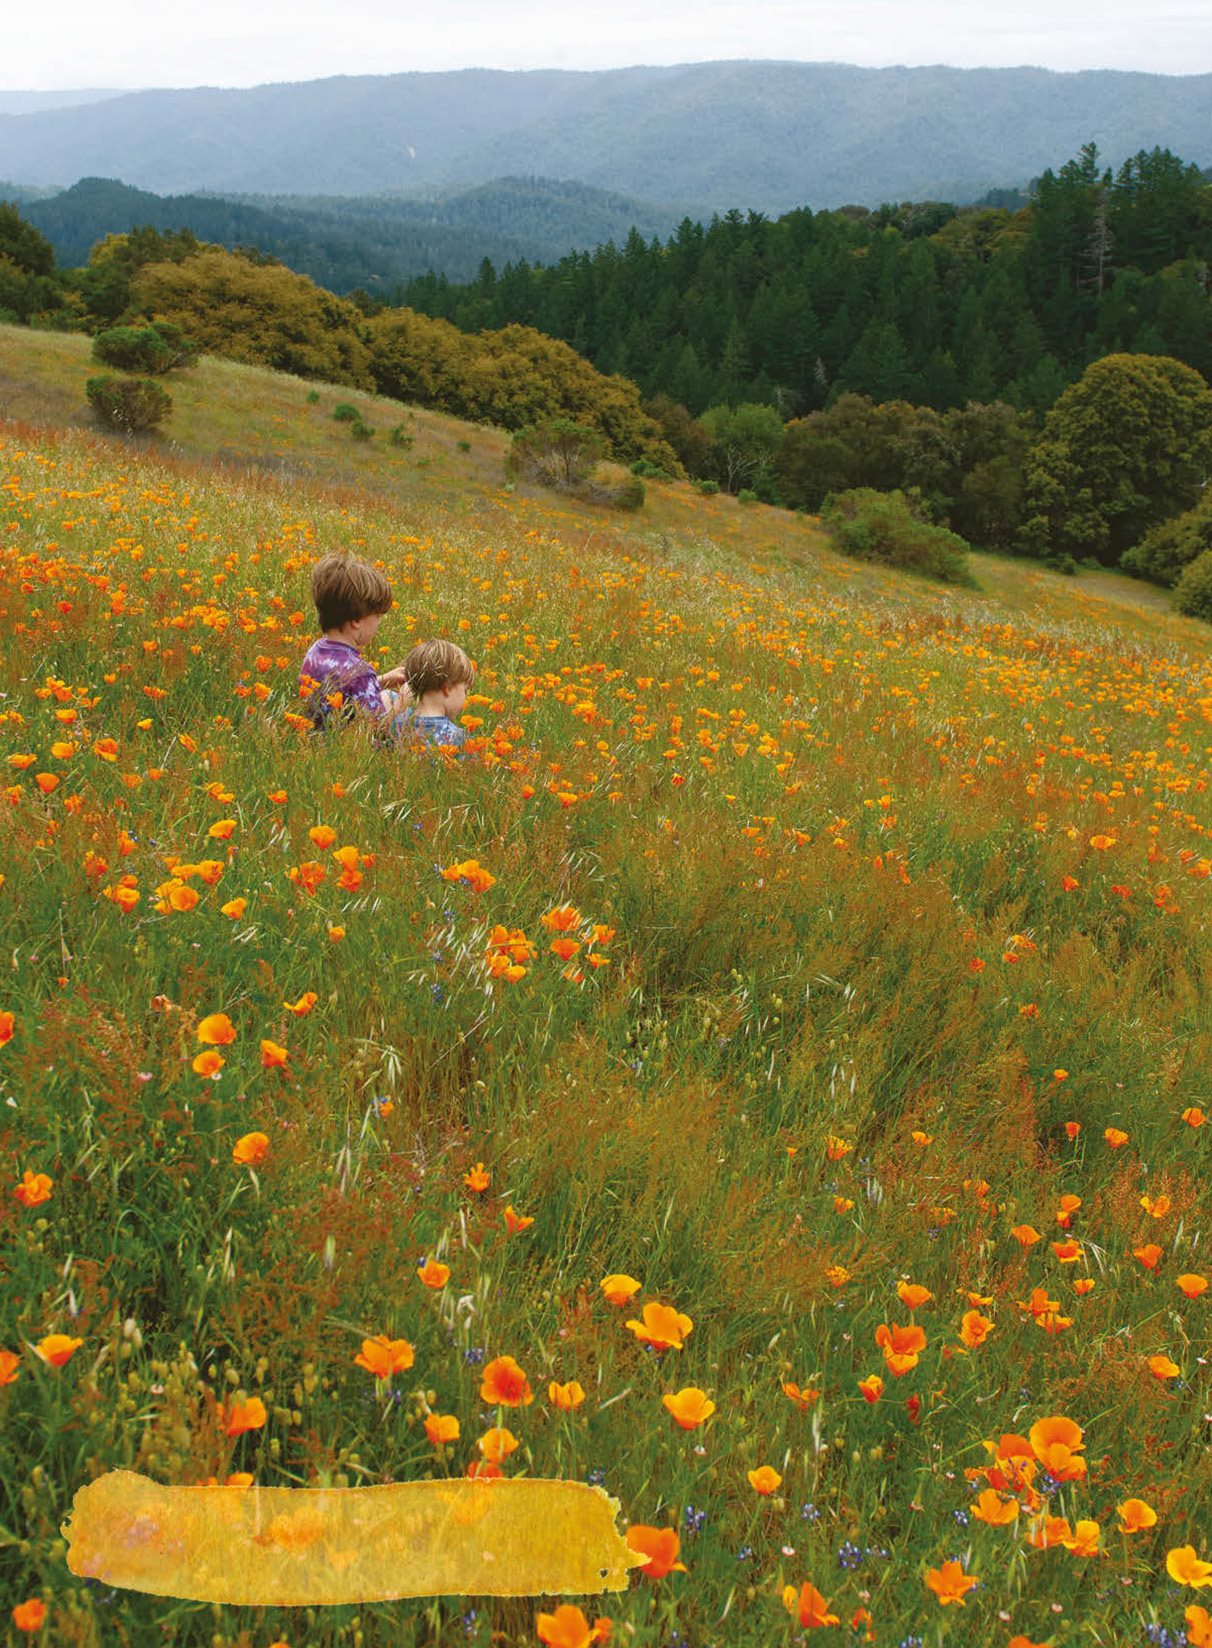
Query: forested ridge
point(920, 302)
point(1032, 377)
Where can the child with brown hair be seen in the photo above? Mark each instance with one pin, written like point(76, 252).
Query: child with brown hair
point(351, 597)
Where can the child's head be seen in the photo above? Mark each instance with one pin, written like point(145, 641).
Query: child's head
point(439, 669)
point(350, 596)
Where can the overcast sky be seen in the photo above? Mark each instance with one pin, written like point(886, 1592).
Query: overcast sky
point(133, 43)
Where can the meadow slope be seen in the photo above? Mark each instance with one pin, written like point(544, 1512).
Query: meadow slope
point(822, 950)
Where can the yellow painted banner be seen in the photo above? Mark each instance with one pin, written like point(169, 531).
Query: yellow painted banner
point(512, 1536)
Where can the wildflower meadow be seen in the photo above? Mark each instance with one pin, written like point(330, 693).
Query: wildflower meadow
point(768, 1078)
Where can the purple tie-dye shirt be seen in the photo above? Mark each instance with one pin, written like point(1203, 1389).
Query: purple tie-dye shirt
point(338, 667)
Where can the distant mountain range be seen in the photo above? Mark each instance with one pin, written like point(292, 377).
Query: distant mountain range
point(766, 136)
point(370, 241)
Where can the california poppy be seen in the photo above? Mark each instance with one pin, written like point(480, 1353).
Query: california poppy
point(383, 1356)
point(249, 1150)
point(808, 1605)
point(619, 1288)
point(660, 1546)
point(689, 1406)
point(662, 1327)
point(949, 1583)
point(249, 1415)
point(505, 1385)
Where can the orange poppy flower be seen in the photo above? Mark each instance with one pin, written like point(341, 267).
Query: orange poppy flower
point(303, 1006)
point(223, 830)
point(764, 1480)
point(1191, 1285)
point(1161, 1367)
point(472, 872)
point(383, 1356)
point(217, 1030)
point(30, 1615)
point(208, 1063)
point(912, 1296)
point(1156, 1206)
point(975, 1328)
point(1185, 1568)
point(1199, 1626)
point(497, 1444)
point(568, 1628)
point(249, 1151)
point(273, 1057)
point(516, 1221)
point(1056, 1443)
point(1115, 1137)
point(1149, 1255)
point(484, 1470)
point(57, 1349)
point(249, 1415)
point(872, 1387)
point(808, 1605)
point(478, 1178)
point(7, 1023)
point(565, 948)
point(662, 1327)
point(566, 1397)
point(660, 1546)
point(323, 835)
point(950, 1582)
point(34, 1189)
point(433, 1273)
point(1193, 1116)
point(234, 908)
point(505, 1385)
point(1084, 1284)
point(619, 1288)
point(836, 1148)
point(46, 782)
point(1136, 1514)
point(1067, 1252)
point(689, 1406)
point(1026, 1235)
point(1048, 1532)
point(992, 1509)
point(837, 1276)
point(10, 1366)
point(1084, 1539)
point(1072, 1129)
point(565, 918)
point(902, 1346)
point(441, 1428)
point(1066, 1209)
point(803, 1399)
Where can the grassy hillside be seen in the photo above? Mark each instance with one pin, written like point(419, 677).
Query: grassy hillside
point(840, 974)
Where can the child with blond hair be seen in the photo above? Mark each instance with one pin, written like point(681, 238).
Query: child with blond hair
point(438, 675)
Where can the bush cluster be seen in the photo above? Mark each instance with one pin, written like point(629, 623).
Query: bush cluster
point(886, 528)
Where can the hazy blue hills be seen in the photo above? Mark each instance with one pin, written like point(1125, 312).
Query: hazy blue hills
point(370, 241)
point(762, 135)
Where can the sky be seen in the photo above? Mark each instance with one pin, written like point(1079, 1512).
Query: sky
point(140, 43)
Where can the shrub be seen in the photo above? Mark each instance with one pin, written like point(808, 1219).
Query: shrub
point(464, 446)
point(313, 396)
point(652, 471)
point(131, 405)
point(708, 488)
point(360, 431)
point(156, 348)
point(398, 436)
point(344, 413)
point(882, 527)
point(1063, 562)
point(747, 496)
point(612, 486)
point(1193, 591)
point(1171, 546)
point(556, 453)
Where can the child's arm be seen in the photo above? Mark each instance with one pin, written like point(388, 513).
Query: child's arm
point(395, 678)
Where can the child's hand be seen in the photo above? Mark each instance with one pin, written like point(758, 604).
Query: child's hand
point(395, 678)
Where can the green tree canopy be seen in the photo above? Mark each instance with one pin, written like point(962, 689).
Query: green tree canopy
point(1125, 447)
